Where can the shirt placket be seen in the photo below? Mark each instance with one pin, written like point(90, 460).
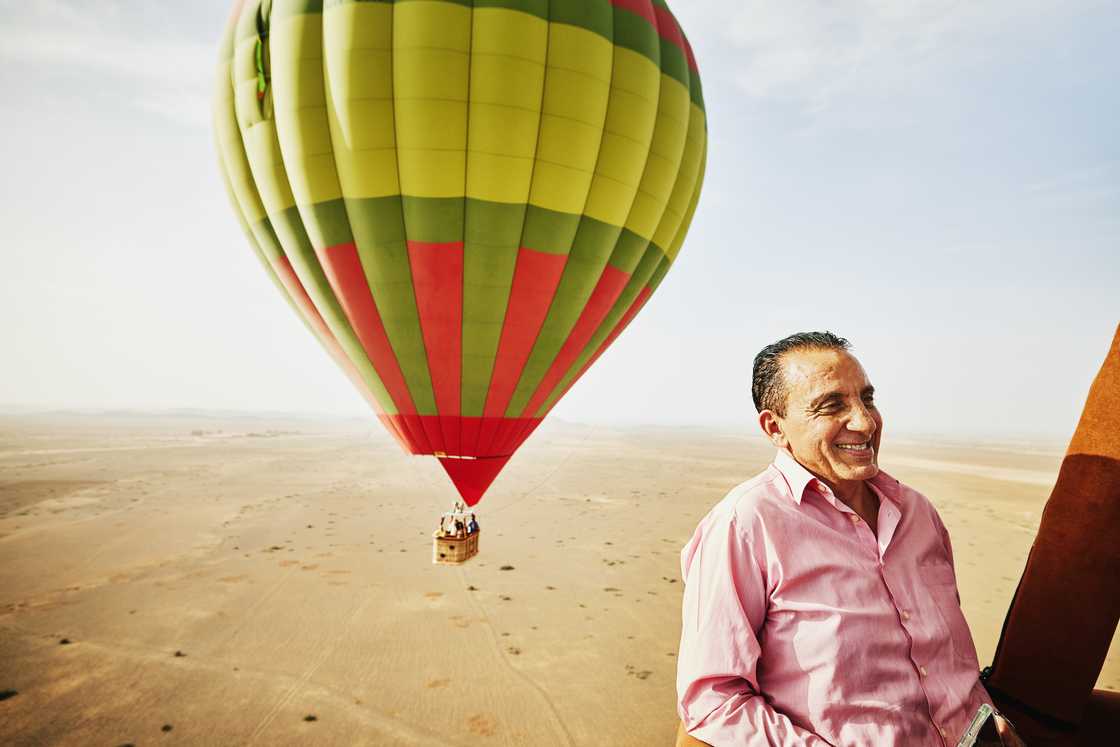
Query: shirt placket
point(903, 605)
point(889, 518)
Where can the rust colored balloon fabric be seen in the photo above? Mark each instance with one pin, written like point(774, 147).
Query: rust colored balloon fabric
point(465, 200)
point(1065, 610)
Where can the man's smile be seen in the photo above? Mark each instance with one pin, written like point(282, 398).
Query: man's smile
point(863, 448)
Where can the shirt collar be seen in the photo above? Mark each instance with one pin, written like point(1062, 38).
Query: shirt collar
point(888, 486)
point(798, 478)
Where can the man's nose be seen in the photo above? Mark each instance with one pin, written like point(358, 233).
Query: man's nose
point(861, 420)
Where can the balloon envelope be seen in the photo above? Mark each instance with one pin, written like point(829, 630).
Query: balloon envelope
point(466, 202)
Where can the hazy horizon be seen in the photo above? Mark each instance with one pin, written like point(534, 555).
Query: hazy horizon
point(747, 429)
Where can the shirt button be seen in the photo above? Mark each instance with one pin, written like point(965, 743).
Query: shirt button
point(855, 519)
point(905, 615)
point(942, 730)
point(922, 671)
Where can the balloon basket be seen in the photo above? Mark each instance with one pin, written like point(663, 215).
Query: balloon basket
point(453, 550)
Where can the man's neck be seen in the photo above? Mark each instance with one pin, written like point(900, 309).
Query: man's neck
point(858, 496)
point(852, 492)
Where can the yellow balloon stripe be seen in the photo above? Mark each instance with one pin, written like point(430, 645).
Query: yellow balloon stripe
point(674, 248)
point(358, 45)
point(431, 49)
point(507, 69)
point(690, 164)
point(663, 162)
point(300, 109)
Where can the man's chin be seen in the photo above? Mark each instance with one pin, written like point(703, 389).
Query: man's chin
point(863, 472)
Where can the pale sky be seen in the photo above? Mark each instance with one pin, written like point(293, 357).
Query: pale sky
point(937, 181)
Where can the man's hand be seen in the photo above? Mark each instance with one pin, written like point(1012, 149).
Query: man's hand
point(1007, 733)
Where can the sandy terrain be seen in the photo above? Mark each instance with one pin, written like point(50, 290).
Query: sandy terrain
point(204, 580)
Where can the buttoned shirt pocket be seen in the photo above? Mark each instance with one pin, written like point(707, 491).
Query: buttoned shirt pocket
point(941, 585)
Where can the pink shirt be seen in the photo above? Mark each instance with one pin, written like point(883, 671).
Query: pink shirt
point(801, 627)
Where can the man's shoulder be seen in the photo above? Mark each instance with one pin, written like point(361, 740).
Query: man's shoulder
point(740, 513)
point(748, 501)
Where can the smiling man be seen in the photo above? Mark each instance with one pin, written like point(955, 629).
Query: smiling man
point(820, 601)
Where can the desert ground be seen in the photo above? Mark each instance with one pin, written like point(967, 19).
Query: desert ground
point(205, 579)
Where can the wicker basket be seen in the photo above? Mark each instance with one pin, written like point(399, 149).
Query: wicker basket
point(453, 550)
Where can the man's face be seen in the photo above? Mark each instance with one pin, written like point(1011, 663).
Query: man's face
point(831, 423)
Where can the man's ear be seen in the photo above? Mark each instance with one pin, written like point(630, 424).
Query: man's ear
point(772, 428)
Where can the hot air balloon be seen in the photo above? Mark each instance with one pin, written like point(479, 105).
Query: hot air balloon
point(465, 201)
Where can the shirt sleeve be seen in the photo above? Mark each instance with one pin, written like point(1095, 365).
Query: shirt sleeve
point(725, 600)
point(948, 544)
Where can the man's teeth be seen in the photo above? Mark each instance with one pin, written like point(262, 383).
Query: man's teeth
point(855, 447)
